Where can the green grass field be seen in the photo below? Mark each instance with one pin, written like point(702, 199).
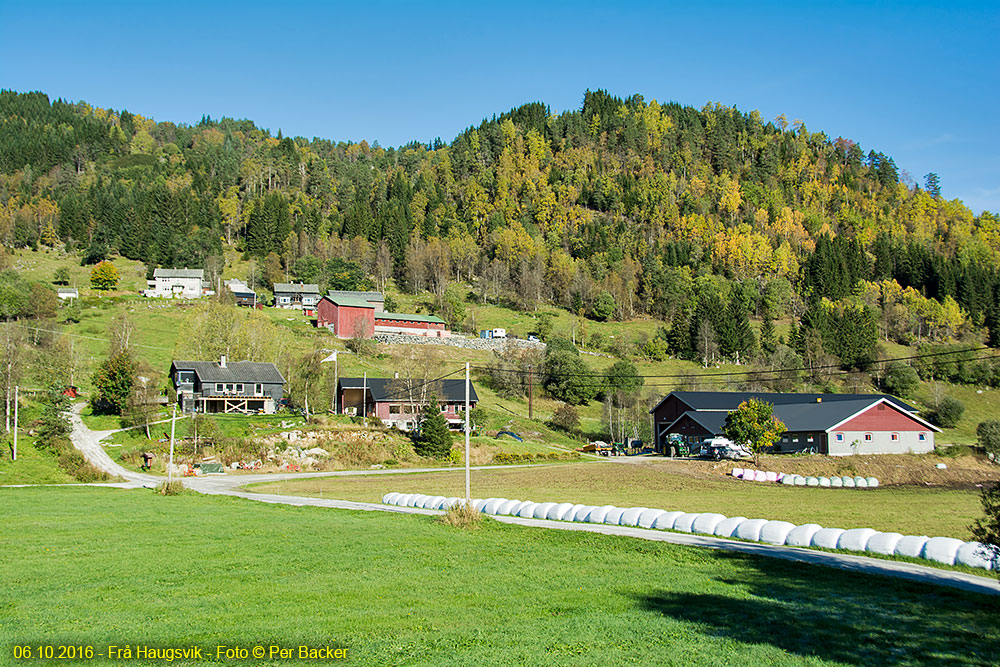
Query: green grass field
point(909, 509)
point(100, 567)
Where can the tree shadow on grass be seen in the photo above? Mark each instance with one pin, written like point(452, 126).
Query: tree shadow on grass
point(833, 615)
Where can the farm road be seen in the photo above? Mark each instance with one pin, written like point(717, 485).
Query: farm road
point(89, 443)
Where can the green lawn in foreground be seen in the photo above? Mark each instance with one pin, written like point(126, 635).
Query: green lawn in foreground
point(100, 566)
point(909, 510)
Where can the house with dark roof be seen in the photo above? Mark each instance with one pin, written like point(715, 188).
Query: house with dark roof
point(247, 387)
point(398, 401)
point(296, 295)
point(242, 293)
point(177, 284)
point(835, 424)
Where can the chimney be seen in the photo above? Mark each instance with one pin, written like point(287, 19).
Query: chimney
point(222, 362)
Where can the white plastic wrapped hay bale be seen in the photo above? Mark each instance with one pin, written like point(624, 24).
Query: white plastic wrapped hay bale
point(776, 532)
point(860, 483)
point(727, 527)
point(492, 505)
point(760, 476)
point(685, 521)
point(434, 503)
point(480, 503)
point(788, 480)
point(505, 507)
point(737, 472)
point(417, 500)
point(666, 521)
point(630, 517)
point(750, 529)
point(614, 516)
point(855, 539)
point(848, 482)
point(942, 549)
point(582, 513)
point(706, 523)
point(973, 554)
point(451, 502)
point(837, 482)
point(597, 515)
point(569, 515)
point(826, 538)
point(771, 477)
point(559, 511)
point(801, 536)
point(799, 480)
point(542, 510)
point(883, 543)
point(389, 498)
point(872, 482)
point(647, 518)
point(824, 482)
point(527, 510)
point(812, 481)
point(403, 499)
point(911, 545)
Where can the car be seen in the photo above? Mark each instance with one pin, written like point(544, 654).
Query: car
point(723, 448)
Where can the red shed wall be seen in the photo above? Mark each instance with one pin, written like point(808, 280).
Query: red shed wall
point(349, 318)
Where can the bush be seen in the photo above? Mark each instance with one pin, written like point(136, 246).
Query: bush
point(566, 418)
point(949, 412)
point(988, 433)
point(71, 461)
point(462, 516)
point(104, 276)
point(900, 379)
point(364, 347)
point(603, 308)
point(174, 488)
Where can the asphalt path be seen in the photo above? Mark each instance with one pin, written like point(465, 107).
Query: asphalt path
point(89, 443)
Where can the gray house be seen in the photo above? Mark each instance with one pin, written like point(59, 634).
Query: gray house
point(296, 295)
point(245, 387)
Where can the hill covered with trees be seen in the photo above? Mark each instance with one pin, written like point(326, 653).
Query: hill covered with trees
point(702, 219)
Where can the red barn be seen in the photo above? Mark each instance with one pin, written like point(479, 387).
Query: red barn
point(346, 317)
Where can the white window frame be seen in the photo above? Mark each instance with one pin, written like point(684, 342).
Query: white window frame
point(869, 437)
point(220, 387)
point(239, 387)
point(258, 389)
point(230, 387)
point(894, 437)
point(922, 437)
point(839, 437)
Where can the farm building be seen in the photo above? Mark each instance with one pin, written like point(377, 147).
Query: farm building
point(296, 295)
point(242, 293)
point(223, 386)
point(835, 424)
point(351, 317)
point(376, 299)
point(177, 284)
point(392, 400)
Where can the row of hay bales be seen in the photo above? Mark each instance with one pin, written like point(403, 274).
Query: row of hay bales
point(845, 481)
point(947, 550)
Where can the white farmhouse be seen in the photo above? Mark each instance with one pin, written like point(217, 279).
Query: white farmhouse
point(176, 284)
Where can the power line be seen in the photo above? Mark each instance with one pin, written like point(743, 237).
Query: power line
point(75, 335)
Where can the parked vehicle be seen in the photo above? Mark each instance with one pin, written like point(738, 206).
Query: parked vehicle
point(724, 448)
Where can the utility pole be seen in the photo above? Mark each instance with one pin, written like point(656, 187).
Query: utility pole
point(468, 491)
point(14, 456)
point(531, 392)
point(173, 423)
point(364, 396)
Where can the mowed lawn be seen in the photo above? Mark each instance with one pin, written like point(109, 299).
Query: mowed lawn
point(913, 510)
point(103, 566)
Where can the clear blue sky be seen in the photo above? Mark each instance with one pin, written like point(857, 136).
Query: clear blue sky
point(920, 82)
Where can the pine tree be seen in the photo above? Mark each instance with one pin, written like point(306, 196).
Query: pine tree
point(435, 438)
point(768, 340)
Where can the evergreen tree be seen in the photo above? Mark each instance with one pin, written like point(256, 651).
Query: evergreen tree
point(435, 439)
point(768, 339)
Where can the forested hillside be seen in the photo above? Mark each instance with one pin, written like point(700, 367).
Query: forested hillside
point(703, 219)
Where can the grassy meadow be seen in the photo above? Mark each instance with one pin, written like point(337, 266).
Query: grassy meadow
point(915, 510)
point(102, 566)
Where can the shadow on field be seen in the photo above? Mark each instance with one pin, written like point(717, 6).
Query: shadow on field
point(854, 619)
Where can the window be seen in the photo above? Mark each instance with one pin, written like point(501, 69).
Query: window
point(219, 387)
point(809, 438)
point(444, 407)
point(922, 437)
point(394, 410)
point(868, 437)
point(239, 388)
point(840, 437)
point(460, 407)
point(894, 437)
point(258, 389)
point(229, 386)
point(795, 438)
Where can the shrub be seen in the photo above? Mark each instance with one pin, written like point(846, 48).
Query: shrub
point(364, 347)
point(988, 433)
point(174, 488)
point(461, 515)
point(655, 349)
point(104, 276)
point(603, 308)
point(71, 461)
point(900, 379)
point(61, 276)
point(566, 418)
point(949, 412)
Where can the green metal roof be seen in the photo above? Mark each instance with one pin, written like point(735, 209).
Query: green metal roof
point(403, 317)
point(351, 301)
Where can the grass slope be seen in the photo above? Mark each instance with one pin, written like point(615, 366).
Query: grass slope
point(101, 567)
point(908, 510)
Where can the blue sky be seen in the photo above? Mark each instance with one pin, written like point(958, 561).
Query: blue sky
point(916, 81)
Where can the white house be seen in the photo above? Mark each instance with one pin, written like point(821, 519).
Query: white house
point(176, 284)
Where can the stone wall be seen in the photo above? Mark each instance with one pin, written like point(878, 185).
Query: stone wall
point(488, 344)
